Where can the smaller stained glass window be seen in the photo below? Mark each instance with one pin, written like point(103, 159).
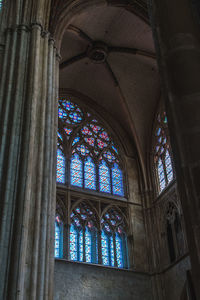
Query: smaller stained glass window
point(162, 155)
point(119, 249)
point(76, 171)
point(60, 174)
point(73, 243)
point(161, 174)
point(104, 177)
point(168, 164)
point(88, 245)
point(58, 238)
point(105, 249)
point(80, 245)
point(90, 174)
point(117, 181)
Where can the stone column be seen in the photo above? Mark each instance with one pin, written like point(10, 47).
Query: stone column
point(28, 124)
point(178, 47)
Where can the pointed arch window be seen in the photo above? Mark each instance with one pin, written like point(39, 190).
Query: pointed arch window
point(113, 239)
point(163, 166)
point(83, 234)
point(88, 151)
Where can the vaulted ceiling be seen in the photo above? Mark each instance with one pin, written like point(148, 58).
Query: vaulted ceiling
point(108, 55)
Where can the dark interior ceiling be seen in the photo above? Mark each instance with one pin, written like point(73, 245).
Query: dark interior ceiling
point(108, 55)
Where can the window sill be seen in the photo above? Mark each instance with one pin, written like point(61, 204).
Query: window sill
point(102, 195)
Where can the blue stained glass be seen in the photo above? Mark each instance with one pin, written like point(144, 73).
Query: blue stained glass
point(119, 253)
point(105, 249)
point(117, 181)
point(88, 246)
point(1, 1)
point(161, 174)
point(81, 245)
point(60, 136)
point(104, 177)
point(73, 243)
point(112, 257)
point(90, 175)
point(76, 140)
point(60, 174)
point(168, 164)
point(61, 113)
point(57, 240)
point(76, 171)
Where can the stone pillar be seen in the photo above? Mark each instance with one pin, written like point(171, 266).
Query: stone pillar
point(28, 124)
point(178, 47)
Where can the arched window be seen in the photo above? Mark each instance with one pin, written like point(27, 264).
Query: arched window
point(163, 167)
point(113, 239)
point(88, 151)
point(83, 234)
point(89, 160)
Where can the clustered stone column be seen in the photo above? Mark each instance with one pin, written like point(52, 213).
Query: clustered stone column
point(177, 39)
point(28, 130)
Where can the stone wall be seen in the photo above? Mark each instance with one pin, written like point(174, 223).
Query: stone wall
point(174, 279)
point(79, 281)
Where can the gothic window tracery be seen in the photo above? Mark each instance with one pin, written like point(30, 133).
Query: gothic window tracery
point(113, 239)
point(93, 239)
point(88, 159)
point(85, 145)
point(162, 153)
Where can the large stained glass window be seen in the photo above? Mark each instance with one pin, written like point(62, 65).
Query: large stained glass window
point(162, 152)
point(95, 236)
point(88, 151)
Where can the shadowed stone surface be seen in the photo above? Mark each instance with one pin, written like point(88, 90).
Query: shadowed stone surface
point(77, 281)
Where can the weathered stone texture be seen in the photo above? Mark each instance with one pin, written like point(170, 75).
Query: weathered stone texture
point(77, 281)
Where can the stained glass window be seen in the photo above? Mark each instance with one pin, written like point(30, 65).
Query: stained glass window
point(117, 181)
point(161, 174)
point(105, 249)
point(94, 155)
point(113, 239)
point(168, 164)
point(60, 166)
point(76, 171)
point(58, 238)
point(1, 3)
point(119, 249)
point(83, 231)
point(88, 245)
point(104, 178)
point(73, 243)
point(162, 152)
